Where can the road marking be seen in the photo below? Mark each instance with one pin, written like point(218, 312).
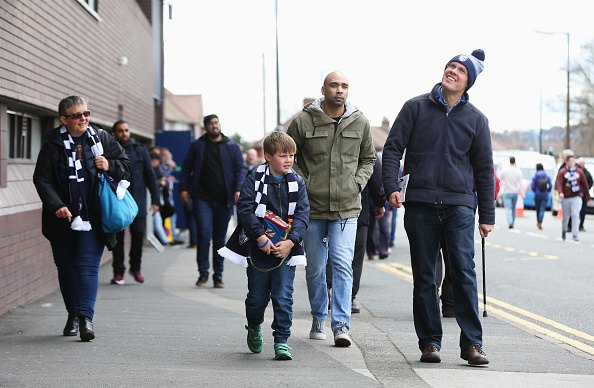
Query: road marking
point(533, 255)
point(405, 272)
point(532, 234)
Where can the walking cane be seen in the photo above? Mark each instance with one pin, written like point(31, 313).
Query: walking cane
point(484, 282)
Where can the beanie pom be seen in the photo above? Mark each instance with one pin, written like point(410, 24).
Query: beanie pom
point(479, 54)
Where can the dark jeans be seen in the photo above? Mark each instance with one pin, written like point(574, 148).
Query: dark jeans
point(424, 226)
point(447, 288)
point(379, 245)
point(540, 204)
point(583, 211)
point(137, 232)
point(78, 271)
point(275, 285)
point(212, 220)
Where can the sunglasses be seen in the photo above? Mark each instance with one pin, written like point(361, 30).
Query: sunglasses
point(78, 116)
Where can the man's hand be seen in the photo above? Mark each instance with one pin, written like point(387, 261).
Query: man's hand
point(395, 200)
point(63, 212)
point(154, 209)
point(102, 163)
point(237, 196)
point(484, 229)
point(379, 212)
point(183, 195)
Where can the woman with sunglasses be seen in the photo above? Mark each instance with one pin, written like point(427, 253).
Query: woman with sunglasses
point(66, 180)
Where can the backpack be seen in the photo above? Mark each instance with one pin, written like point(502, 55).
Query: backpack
point(542, 184)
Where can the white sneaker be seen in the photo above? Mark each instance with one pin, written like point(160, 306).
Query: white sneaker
point(317, 332)
point(341, 337)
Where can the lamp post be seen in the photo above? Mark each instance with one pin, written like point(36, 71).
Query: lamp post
point(567, 130)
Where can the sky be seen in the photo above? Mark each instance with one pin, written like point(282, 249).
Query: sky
point(390, 50)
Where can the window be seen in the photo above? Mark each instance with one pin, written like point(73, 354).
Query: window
point(91, 6)
point(24, 136)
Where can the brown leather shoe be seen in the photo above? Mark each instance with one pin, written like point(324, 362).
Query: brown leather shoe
point(431, 354)
point(474, 355)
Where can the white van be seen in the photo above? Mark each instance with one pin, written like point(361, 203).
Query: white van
point(526, 161)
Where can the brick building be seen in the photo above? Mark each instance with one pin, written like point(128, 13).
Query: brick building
point(109, 52)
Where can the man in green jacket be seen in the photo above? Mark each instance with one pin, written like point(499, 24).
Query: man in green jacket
point(335, 156)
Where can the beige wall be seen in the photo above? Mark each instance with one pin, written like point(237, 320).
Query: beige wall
point(50, 50)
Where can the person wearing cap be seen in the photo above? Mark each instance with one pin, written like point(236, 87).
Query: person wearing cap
point(448, 151)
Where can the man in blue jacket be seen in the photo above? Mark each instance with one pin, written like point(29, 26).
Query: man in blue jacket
point(448, 151)
point(142, 176)
point(212, 175)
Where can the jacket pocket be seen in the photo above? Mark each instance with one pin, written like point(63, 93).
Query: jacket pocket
point(317, 141)
point(351, 140)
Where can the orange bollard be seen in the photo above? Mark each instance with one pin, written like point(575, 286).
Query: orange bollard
point(520, 207)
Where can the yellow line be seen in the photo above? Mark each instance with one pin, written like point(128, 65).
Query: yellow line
point(538, 318)
point(542, 330)
point(406, 273)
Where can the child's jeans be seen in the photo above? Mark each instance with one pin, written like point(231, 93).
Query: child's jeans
point(264, 286)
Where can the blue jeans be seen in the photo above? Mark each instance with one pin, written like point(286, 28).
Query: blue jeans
point(159, 228)
point(78, 271)
point(393, 226)
point(333, 242)
point(264, 286)
point(424, 226)
point(540, 204)
point(212, 220)
point(509, 203)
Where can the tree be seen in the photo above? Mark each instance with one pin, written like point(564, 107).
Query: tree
point(584, 101)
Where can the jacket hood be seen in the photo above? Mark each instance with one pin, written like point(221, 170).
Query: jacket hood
point(317, 104)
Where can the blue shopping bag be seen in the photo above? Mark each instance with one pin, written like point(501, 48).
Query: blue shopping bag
point(116, 214)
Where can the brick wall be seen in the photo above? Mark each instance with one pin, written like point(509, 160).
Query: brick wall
point(27, 269)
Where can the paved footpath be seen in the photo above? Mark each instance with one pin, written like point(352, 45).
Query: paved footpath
point(169, 333)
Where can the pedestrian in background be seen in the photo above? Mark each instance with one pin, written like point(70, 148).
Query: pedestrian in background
point(541, 186)
point(66, 180)
point(335, 156)
point(448, 153)
point(582, 164)
point(572, 185)
point(166, 168)
point(142, 176)
point(511, 185)
point(251, 160)
point(273, 187)
point(212, 175)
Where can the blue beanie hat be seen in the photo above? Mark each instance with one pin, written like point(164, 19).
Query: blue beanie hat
point(473, 63)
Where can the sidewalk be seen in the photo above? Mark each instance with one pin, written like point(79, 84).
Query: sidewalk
point(167, 332)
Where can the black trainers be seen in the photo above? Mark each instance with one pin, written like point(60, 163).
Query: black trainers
point(202, 279)
point(218, 282)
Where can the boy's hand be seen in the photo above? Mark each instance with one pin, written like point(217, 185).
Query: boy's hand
point(282, 248)
point(264, 244)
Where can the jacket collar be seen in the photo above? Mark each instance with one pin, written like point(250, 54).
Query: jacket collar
point(435, 97)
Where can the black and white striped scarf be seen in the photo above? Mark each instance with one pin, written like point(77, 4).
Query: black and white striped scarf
point(262, 177)
point(239, 246)
point(78, 202)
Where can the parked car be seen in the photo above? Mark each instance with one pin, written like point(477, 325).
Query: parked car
point(526, 161)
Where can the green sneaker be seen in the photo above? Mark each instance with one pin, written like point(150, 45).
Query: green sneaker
point(254, 339)
point(281, 352)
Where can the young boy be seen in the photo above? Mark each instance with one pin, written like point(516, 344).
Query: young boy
point(271, 188)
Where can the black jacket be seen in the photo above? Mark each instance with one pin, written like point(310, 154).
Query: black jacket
point(447, 155)
point(51, 181)
point(142, 176)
